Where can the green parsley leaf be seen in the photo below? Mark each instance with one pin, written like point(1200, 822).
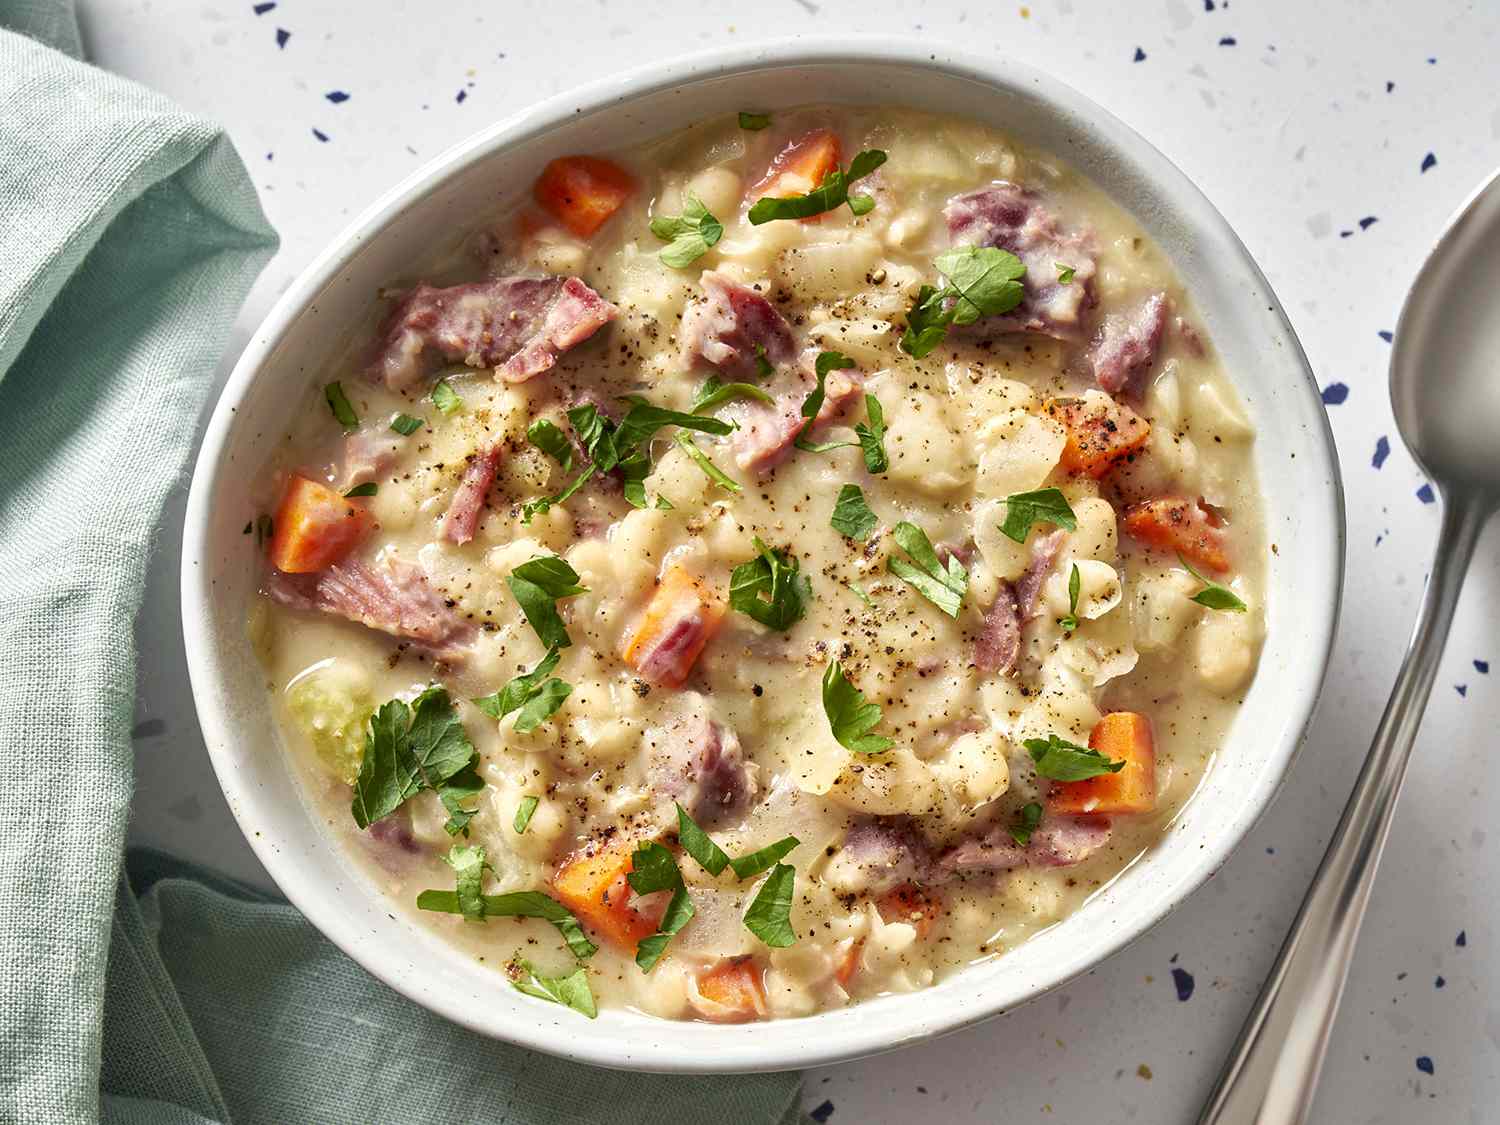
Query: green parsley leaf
point(825, 363)
point(533, 694)
point(1213, 595)
point(462, 786)
point(984, 281)
point(943, 586)
point(1075, 583)
point(698, 844)
point(770, 915)
point(754, 122)
point(571, 991)
point(594, 432)
point(654, 869)
point(524, 812)
point(861, 595)
point(339, 404)
point(467, 861)
point(542, 503)
point(445, 398)
point(712, 471)
point(749, 866)
point(519, 904)
point(642, 421)
point(550, 439)
point(714, 393)
point(770, 588)
point(537, 585)
point(412, 748)
point(926, 323)
point(871, 434)
point(850, 716)
point(689, 235)
point(833, 192)
point(1065, 273)
point(812, 405)
point(763, 366)
point(369, 488)
point(1047, 505)
point(406, 424)
point(1029, 816)
point(1062, 760)
point(852, 515)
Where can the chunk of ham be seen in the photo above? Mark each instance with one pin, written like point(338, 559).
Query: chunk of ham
point(462, 518)
point(1125, 347)
point(997, 647)
point(1044, 552)
point(368, 454)
point(731, 326)
point(518, 325)
point(1056, 842)
point(700, 765)
point(388, 595)
point(881, 854)
point(767, 431)
point(1011, 218)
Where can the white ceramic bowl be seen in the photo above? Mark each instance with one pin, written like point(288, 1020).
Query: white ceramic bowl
point(1295, 458)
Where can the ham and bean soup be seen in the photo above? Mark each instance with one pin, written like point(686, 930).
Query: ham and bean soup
point(765, 569)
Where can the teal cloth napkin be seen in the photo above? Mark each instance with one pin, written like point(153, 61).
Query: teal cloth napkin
point(153, 993)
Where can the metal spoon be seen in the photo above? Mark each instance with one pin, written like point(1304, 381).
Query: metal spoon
point(1445, 388)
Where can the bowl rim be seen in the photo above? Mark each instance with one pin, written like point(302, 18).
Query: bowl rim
point(749, 1051)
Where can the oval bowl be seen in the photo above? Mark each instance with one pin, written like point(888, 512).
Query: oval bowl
point(1295, 459)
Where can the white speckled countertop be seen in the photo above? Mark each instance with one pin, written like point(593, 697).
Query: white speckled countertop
point(1336, 138)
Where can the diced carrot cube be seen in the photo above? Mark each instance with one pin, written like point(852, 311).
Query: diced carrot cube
point(732, 991)
point(679, 619)
point(592, 885)
point(799, 167)
point(1182, 526)
point(315, 526)
point(913, 905)
point(1099, 436)
point(582, 192)
point(1121, 736)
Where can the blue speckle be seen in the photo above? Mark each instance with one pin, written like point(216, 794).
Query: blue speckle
point(1184, 982)
point(1482, 667)
point(1462, 939)
point(1227, 41)
point(1429, 161)
point(1424, 1064)
point(462, 94)
point(1367, 222)
point(1208, 5)
point(1346, 234)
point(1335, 393)
point(1140, 55)
point(1439, 982)
point(336, 96)
point(1462, 689)
point(264, 7)
point(1426, 495)
point(282, 35)
point(1432, 61)
point(1382, 451)
point(1379, 539)
point(270, 156)
point(1389, 86)
point(322, 136)
point(1385, 335)
point(1270, 851)
point(1173, 959)
point(825, 1111)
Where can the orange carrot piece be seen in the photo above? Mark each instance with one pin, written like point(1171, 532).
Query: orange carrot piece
point(315, 526)
point(592, 885)
point(679, 619)
point(913, 905)
point(734, 991)
point(1098, 440)
point(582, 192)
point(799, 167)
point(847, 962)
point(1182, 526)
point(1122, 736)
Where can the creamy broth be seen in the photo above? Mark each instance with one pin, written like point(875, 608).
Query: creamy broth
point(907, 866)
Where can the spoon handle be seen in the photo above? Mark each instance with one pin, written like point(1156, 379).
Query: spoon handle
point(1272, 1073)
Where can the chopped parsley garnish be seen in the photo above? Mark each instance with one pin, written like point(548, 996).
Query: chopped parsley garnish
point(1213, 595)
point(369, 488)
point(850, 716)
point(861, 595)
point(1062, 760)
point(980, 281)
point(1065, 273)
point(533, 694)
point(754, 122)
point(1027, 818)
point(702, 460)
point(871, 434)
point(1069, 621)
point(715, 392)
point(770, 588)
point(749, 866)
point(770, 915)
point(339, 404)
point(642, 421)
point(572, 991)
point(1047, 505)
point(524, 812)
point(550, 439)
point(832, 193)
point(713, 859)
point(763, 366)
point(407, 424)
point(445, 398)
point(412, 748)
point(518, 904)
point(812, 405)
point(468, 866)
point(689, 235)
point(653, 869)
point(944, 586)
point(537, 585)
point(852, 515)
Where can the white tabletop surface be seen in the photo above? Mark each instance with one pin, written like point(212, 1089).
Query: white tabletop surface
point(1309, 126)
